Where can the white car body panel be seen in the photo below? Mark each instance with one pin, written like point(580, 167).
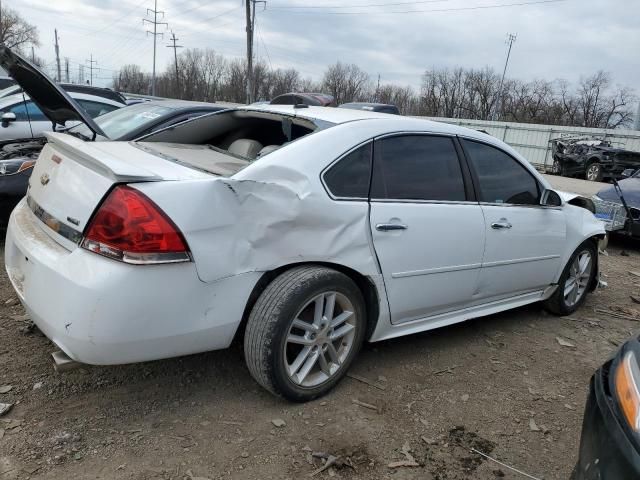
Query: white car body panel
point(274, 213)
point(429, 257)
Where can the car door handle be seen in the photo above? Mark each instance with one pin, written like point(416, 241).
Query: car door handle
point(390, 227)
point(501, 225)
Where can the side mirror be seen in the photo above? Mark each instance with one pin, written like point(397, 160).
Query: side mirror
point(7, 118)
point(550, 198)
point(628, 172)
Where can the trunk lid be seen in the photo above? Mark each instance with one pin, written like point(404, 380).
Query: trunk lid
point(71, 177)
point(54, 102)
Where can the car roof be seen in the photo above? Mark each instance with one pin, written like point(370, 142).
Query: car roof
point(326, 114)
point(343, 115)
point(185, 104)
point(18, 97)
point(365, 104)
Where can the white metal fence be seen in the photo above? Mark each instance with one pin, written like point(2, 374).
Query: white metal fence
point(533, 141)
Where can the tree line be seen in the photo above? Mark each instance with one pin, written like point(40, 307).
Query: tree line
point(204, 75)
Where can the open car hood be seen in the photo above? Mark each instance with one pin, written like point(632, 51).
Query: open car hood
point(54, 102)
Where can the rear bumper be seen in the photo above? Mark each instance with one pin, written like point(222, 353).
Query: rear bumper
point(606, 451)
point(100, 311)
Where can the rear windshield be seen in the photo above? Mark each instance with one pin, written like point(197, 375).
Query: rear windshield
point(124, 120)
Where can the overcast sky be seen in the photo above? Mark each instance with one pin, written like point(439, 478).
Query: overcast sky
point(397, 39)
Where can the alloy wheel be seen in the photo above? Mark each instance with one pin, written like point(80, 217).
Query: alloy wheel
point(319, 339)
point(592, 172)
point(578, 280)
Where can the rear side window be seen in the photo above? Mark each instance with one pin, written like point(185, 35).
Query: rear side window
point(349, 177)
point(417, 167)
point(501, 177)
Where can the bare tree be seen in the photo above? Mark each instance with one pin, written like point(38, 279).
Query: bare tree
point(131, 79)
point(15, 32)
point(346, 83)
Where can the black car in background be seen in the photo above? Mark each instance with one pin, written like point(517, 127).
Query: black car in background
point(591, 158)
point(610, 441)
point(73, 87)
point(372, 107)
point(310, 99)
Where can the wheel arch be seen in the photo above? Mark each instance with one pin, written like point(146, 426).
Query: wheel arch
point(364, 283)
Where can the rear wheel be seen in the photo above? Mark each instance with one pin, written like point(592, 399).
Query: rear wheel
point(575, 281)
point(304, 331)
point(594, 172)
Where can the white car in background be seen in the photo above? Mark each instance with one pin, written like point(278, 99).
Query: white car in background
point(305, 230)
point(22, 119)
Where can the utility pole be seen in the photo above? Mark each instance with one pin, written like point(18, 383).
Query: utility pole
point(511, 38)
point(378, 89)
point(81, 74)
point(58, 57)
point(175, 57)
point(251, 21)
point(155, 34)
point(33, 55)
point(91, 62)
point(637, 123)
point(66, 69)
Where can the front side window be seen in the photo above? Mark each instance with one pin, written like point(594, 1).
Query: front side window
point(501, 177)
point(417, 167)
point(25, 111)
point(349, 177)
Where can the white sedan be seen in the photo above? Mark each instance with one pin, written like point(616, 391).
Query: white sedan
point(305, 230)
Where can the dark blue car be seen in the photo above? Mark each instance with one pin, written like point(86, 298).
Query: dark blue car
point(630, 187)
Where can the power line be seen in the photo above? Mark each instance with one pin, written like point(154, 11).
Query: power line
point(391, 4)
point(435, 10)
point(155, 34)
point(138, 5)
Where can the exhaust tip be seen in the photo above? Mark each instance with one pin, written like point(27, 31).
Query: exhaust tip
point(63, 363)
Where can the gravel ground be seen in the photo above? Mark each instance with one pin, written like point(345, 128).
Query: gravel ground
point(502, 385)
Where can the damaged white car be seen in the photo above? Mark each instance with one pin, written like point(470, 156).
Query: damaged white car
point(306, 231)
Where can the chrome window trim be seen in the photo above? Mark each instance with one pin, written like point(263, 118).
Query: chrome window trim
point(434, 202)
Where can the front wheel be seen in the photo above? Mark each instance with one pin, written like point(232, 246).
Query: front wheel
point(594, 172)
point(304, 331)
point(575, 281)
point(556, 168)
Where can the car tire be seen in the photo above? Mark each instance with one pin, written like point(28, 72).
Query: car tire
point(556, 168)
point(594, 172)
point(563, 302)
point(291, 346)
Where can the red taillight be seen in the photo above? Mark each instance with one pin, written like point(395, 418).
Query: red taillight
point(129, 227)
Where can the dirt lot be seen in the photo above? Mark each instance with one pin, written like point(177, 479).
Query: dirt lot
point(502, 385)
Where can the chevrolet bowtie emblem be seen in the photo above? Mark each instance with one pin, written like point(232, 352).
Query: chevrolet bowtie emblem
point(44, 179)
